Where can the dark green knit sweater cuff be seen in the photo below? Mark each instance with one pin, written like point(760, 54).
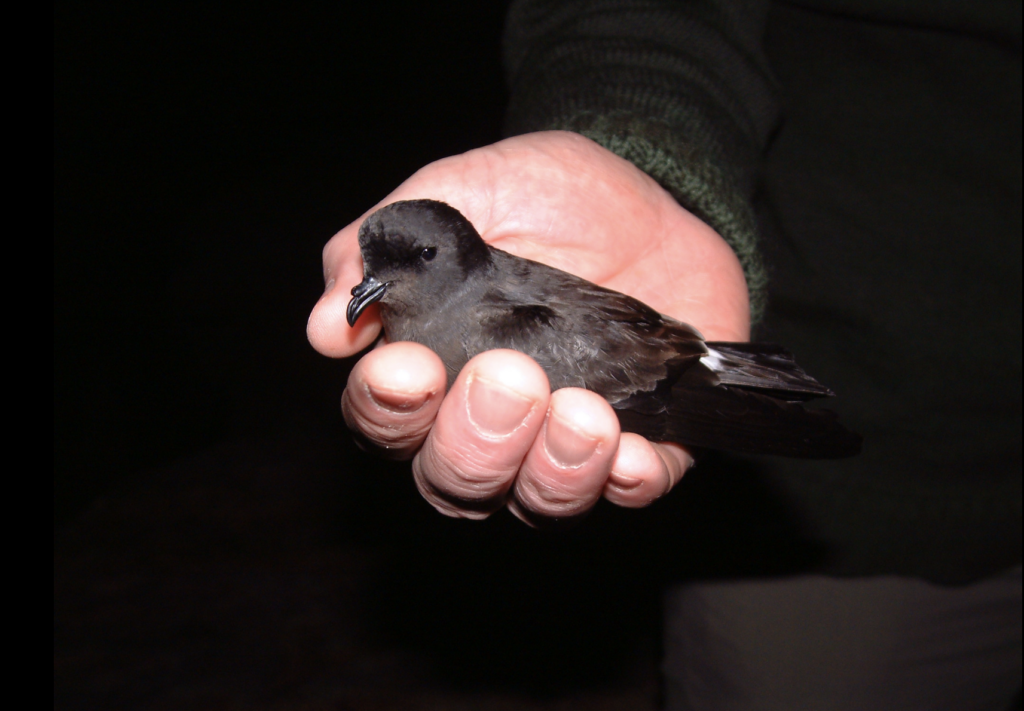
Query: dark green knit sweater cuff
point(697, 183)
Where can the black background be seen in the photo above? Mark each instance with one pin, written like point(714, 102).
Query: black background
point(203, 154)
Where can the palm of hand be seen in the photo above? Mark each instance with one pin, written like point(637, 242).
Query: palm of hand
point(560, 199)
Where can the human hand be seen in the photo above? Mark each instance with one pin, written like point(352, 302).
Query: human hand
point(499, 436)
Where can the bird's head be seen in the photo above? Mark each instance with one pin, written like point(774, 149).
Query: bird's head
point(415, 253)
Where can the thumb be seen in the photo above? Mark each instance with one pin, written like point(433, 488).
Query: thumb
point(327, 329)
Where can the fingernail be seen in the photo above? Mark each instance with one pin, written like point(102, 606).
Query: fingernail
point(397, 401)
point(327, 288)
point(624, 482)
point(494, 409)
point(566, 445)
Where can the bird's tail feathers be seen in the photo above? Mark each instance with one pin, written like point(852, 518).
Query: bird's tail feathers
point(762, 366)
point(740, 420)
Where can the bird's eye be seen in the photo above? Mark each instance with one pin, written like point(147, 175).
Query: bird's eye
point(428, 253)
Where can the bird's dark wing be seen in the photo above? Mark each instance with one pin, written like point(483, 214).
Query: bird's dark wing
point(584, 335)
point(662, 379)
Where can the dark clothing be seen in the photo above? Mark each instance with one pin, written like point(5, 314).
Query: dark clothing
point(888, 214)
point(818, 642)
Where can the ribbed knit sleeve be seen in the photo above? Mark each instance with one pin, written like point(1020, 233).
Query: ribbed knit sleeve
point(680, 89)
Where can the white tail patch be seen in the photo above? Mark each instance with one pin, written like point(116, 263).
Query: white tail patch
point(713, 360)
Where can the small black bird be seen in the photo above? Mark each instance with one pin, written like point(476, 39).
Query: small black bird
point(439, 284)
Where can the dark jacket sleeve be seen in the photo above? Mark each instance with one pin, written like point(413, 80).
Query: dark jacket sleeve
point(680, 89)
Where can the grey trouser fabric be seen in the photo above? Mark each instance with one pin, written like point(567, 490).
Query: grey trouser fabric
point(813, 642)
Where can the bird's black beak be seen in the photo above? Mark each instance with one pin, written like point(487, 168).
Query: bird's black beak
point(369, 290)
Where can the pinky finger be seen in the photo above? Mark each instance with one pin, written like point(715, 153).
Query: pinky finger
point(644, 472)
